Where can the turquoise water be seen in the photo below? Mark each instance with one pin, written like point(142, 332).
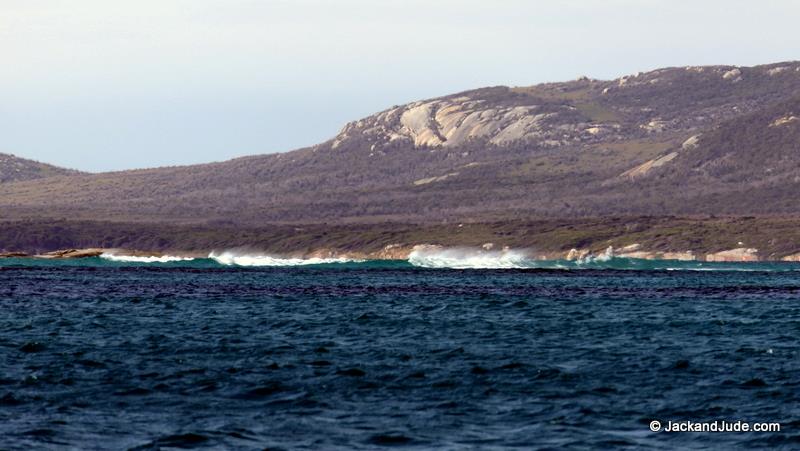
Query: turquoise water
point(614, 263)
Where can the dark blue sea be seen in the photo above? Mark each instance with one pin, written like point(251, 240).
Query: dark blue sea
point(98, 354)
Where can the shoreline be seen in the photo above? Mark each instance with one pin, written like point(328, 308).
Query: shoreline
point(712, 239)
point(400, 252)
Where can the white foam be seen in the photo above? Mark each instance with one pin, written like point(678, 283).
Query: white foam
point(721, 268)
point(469, 259)
point(606, 256)
point(151, 259)
point(232, 259)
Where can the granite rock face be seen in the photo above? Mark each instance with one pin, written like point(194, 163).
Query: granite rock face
point(451, 122)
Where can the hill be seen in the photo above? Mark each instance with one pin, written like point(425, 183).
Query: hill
point(14, 169)
point(687, 140)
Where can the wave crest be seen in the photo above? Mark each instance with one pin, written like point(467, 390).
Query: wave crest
point(232, 259)
point(151, 259)
point(469, 259)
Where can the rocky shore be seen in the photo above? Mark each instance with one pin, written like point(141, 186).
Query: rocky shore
point(726, 239)
point(403, 251)
point(635, 251)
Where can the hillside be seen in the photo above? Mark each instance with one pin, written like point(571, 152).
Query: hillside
point(750, 164)
point(688, 140)
point(14, 169)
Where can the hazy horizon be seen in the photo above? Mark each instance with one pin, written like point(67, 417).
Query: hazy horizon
point(98, 86)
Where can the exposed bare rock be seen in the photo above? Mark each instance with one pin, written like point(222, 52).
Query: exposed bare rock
point(634, 251)
point(418, 122)
point(646, 167)
point(784, 120)
point(13, 254)
point(654, 126)
point(75, 253)
point(575, 254)
point(440, 178)
point(777, 70)
point(732, 74)
point(320, 253)
point(734, 255)
point(691, 143)
point(632, 80)
point(681, 256)
point(791, 258)
point(642, 255)
point(456, 120)
point(658, 255)
point(394, 251)
point(630, 248)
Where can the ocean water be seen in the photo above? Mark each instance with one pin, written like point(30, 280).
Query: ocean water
point(109, 354)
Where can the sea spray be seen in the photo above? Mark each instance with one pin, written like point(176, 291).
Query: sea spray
point(140, 259)
point(606, 256)
point(233, 259)
point(462, 258)
point(423, 257)
point(471, 258)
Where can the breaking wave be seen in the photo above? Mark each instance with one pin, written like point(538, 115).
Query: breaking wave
point(469, 259)
point(461, 258)
point(433, 258)
point(606, 256)
point(232, 259)
point(151, 259)
point(229, 259)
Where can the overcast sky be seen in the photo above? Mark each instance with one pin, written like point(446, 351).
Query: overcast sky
point(101, 85)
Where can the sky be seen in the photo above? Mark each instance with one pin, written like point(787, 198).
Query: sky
point(103, 85)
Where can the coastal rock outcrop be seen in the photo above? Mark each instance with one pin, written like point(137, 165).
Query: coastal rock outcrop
point(791, 258)
point(636, 251)
point(74, 253)
point(681, 256)
point(13, 254)
point(395, 251)
point(575, 254)
point(741, 254)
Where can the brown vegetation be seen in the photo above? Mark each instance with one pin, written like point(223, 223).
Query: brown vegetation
point(13, 169)
point(773, 237)
point(743, 164)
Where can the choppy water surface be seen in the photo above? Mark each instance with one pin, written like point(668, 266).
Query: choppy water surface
point(116, 355)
